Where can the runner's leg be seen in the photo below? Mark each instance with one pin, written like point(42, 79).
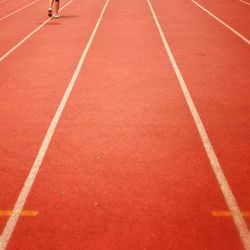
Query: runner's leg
point(56, 6)
point(50, 8)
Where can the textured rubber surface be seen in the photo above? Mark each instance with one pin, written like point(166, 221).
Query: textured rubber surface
point(126, 168)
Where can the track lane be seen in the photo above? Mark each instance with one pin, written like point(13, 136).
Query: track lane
point(222, 22)
point(233, 13)
point(18, 10)
point(11, 6)
point(247, 3)
point(211, 154)
point(126, 168)
point(21, 29)
point(29, 95)
point(217, 75)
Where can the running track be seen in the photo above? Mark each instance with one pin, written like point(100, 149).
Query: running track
point(128, 158)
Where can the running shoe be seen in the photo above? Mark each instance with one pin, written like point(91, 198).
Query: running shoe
point(50, 12)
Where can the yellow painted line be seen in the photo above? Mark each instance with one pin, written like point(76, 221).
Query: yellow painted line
point(23, 213)
point(225, 213)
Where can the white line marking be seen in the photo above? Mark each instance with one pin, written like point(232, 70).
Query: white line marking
point(30, 34)
point(226, 25)
point(225, 188)
point(27, 5)
point(244, 2)
point(11, 223)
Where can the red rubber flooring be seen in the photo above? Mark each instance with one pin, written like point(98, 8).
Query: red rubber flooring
point(126, 168)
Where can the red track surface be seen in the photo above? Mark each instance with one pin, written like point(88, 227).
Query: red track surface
point(126, 168)
point(10, 6)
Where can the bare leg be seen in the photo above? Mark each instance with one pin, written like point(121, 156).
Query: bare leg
point(51, 3)
point(50, 8)
point(56, 7)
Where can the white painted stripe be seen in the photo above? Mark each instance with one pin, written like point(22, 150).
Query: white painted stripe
point(244, 2)
point(225, 188)
point(24, 7)
point(30, 34)
point(223, 23)
point(11, 223)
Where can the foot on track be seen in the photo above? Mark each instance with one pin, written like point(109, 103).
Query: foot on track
point(56, 15)
point(50, 12)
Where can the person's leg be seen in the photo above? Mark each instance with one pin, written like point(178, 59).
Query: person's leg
point(50, 8)
point(51, 3)
point(56, 7)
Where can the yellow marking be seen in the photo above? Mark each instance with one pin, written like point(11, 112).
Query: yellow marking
point(225, 213)
point(22, 213)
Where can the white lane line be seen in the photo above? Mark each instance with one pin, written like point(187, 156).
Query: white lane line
point(16, 11)
point(12, 221)
point(30, 34)
point(222, 22)
point(224, 186)
point(244, 2)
